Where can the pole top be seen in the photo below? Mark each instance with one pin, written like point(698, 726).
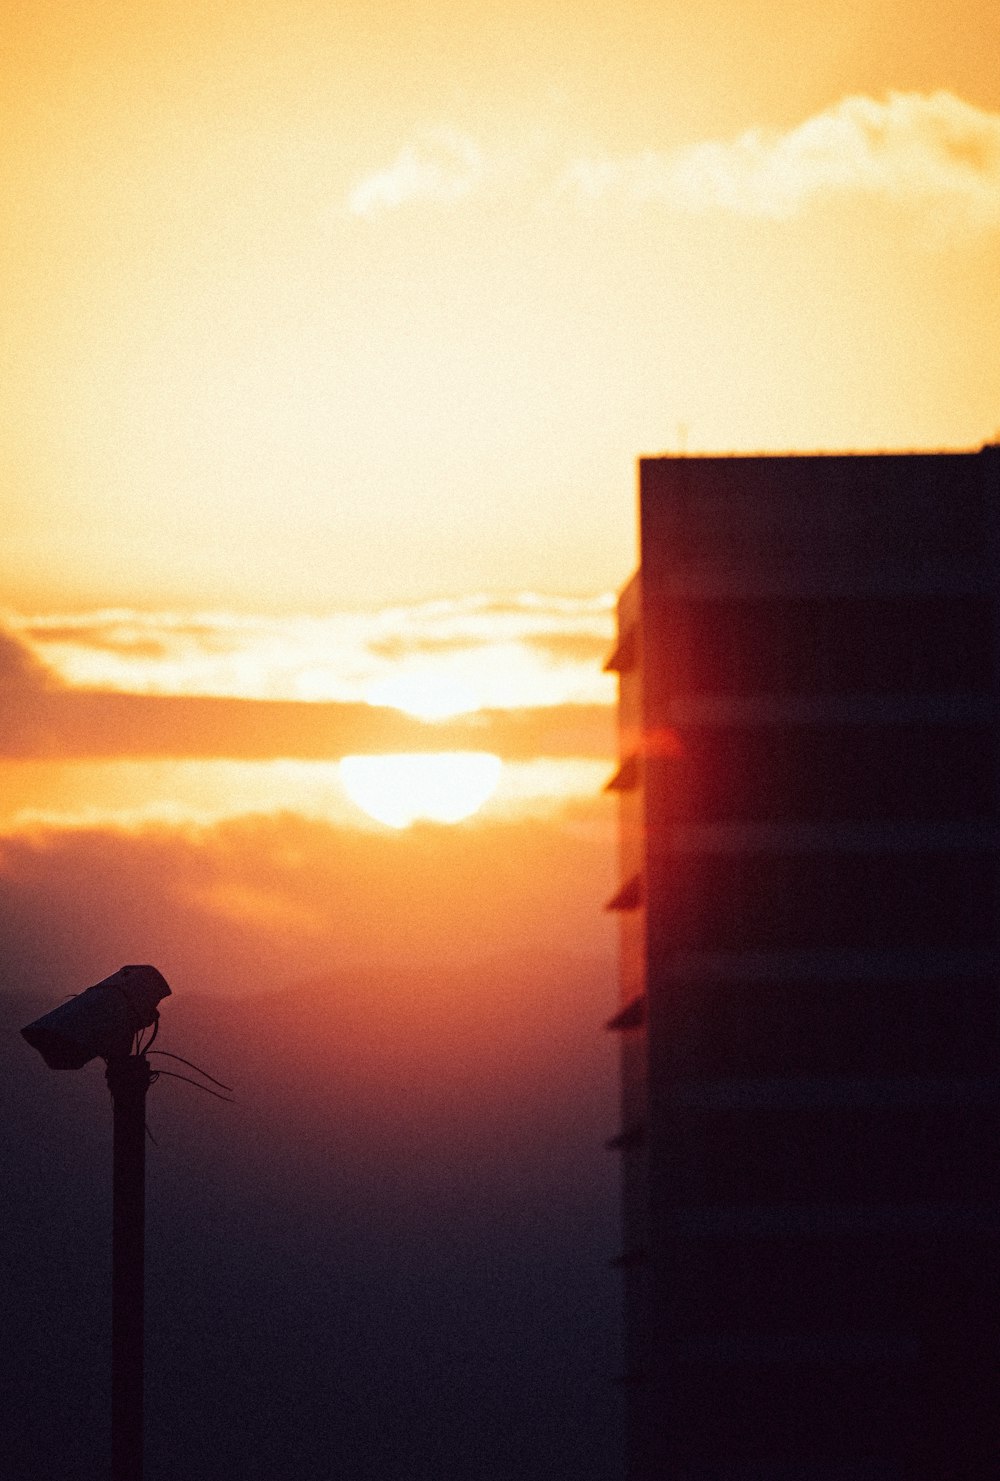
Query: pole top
point(100, 1021)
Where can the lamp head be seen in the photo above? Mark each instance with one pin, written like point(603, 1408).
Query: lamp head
point(101, 1021)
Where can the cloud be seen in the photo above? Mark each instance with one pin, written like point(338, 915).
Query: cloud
point(442, 166)
point(257, 902)
point(90, 725)
point(20, 670)
point(42, 719)
point(934, 152)
point(501, 651)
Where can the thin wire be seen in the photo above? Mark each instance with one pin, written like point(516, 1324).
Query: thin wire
point(191, 1066)
point(143, 1044)
point(230, 1100)
point(143, 1048)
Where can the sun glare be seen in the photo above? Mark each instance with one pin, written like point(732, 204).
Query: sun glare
point(427, 696)
point(439, 786)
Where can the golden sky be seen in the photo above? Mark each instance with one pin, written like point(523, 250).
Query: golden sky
point(331, 335)
point(121, 719)
point(310, 307)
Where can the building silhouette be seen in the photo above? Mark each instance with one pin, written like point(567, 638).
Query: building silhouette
point(809, 912)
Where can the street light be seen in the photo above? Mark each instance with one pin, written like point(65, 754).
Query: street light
point(102, 1021)
point(107, 1021)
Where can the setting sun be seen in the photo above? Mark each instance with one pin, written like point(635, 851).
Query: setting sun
point(439, 786)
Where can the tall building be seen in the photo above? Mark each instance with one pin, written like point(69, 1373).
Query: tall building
point(809, 1018)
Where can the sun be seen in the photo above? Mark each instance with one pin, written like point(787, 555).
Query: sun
point(439, 786)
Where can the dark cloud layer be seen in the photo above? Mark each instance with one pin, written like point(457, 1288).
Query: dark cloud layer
point(20, 671)
point(39, 718)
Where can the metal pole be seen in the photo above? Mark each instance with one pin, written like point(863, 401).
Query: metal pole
point(128, 1080)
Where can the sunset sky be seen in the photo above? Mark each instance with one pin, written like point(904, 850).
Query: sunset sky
point(331, 335)
point(311, 306)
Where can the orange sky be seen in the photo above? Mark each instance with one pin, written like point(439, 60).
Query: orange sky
point(310, 307)
point(330, 329)
point(123, 719)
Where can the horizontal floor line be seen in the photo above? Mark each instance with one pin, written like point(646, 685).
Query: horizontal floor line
point(826, 709)
point(794, 1221)
point(829, 1091)
point(829, 966)
point(877, 837)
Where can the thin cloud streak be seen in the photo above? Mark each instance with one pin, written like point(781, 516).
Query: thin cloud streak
point(441, 167)
point(928, 151)
point(80, 724)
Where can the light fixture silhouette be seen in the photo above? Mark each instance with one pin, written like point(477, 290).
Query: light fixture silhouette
point(101, 1021)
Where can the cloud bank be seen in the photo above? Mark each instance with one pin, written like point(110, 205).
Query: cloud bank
point(44, 719)
point(915, 149)
point(506, 651)
point(256, 902)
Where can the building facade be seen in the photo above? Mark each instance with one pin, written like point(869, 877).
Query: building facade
point(810, 935)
